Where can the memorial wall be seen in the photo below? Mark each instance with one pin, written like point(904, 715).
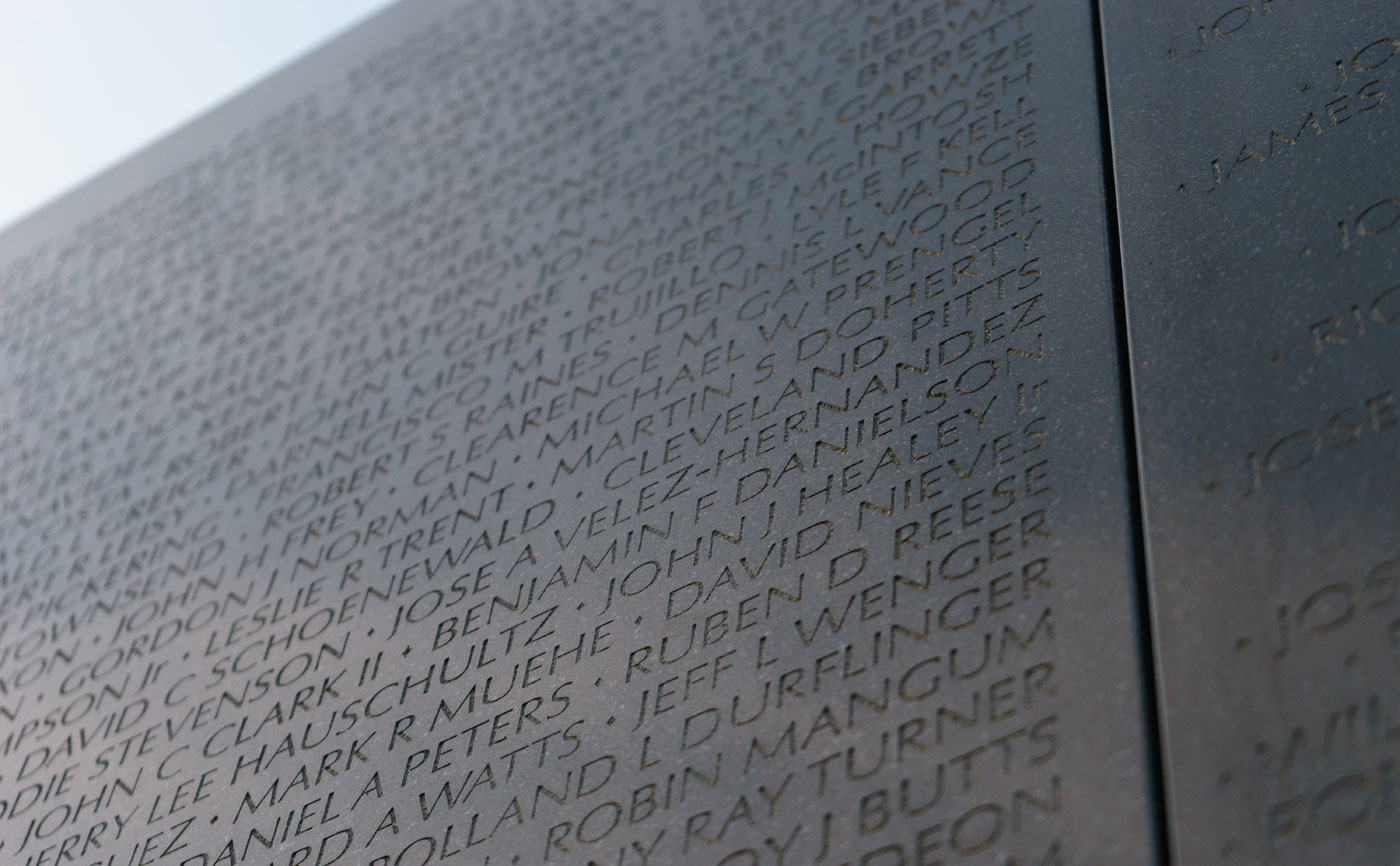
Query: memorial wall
point(741, 433)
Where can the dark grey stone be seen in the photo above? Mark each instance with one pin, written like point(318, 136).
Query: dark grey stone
point(582, 433)
point(1255, 159)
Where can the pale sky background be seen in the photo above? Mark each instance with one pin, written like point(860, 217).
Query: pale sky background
point(84, 83)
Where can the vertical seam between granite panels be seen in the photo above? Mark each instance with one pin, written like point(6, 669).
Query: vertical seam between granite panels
point(1153, 752)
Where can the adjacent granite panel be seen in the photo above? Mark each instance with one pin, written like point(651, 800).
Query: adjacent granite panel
point(1255, 156)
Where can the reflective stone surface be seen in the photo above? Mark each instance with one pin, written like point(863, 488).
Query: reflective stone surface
point(582, 433)
point(1255, 152)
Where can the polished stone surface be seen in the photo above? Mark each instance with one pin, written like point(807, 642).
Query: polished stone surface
point(584, 433)
point(1255, 160)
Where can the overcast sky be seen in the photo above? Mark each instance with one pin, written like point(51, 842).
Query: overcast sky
point(85, 82)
